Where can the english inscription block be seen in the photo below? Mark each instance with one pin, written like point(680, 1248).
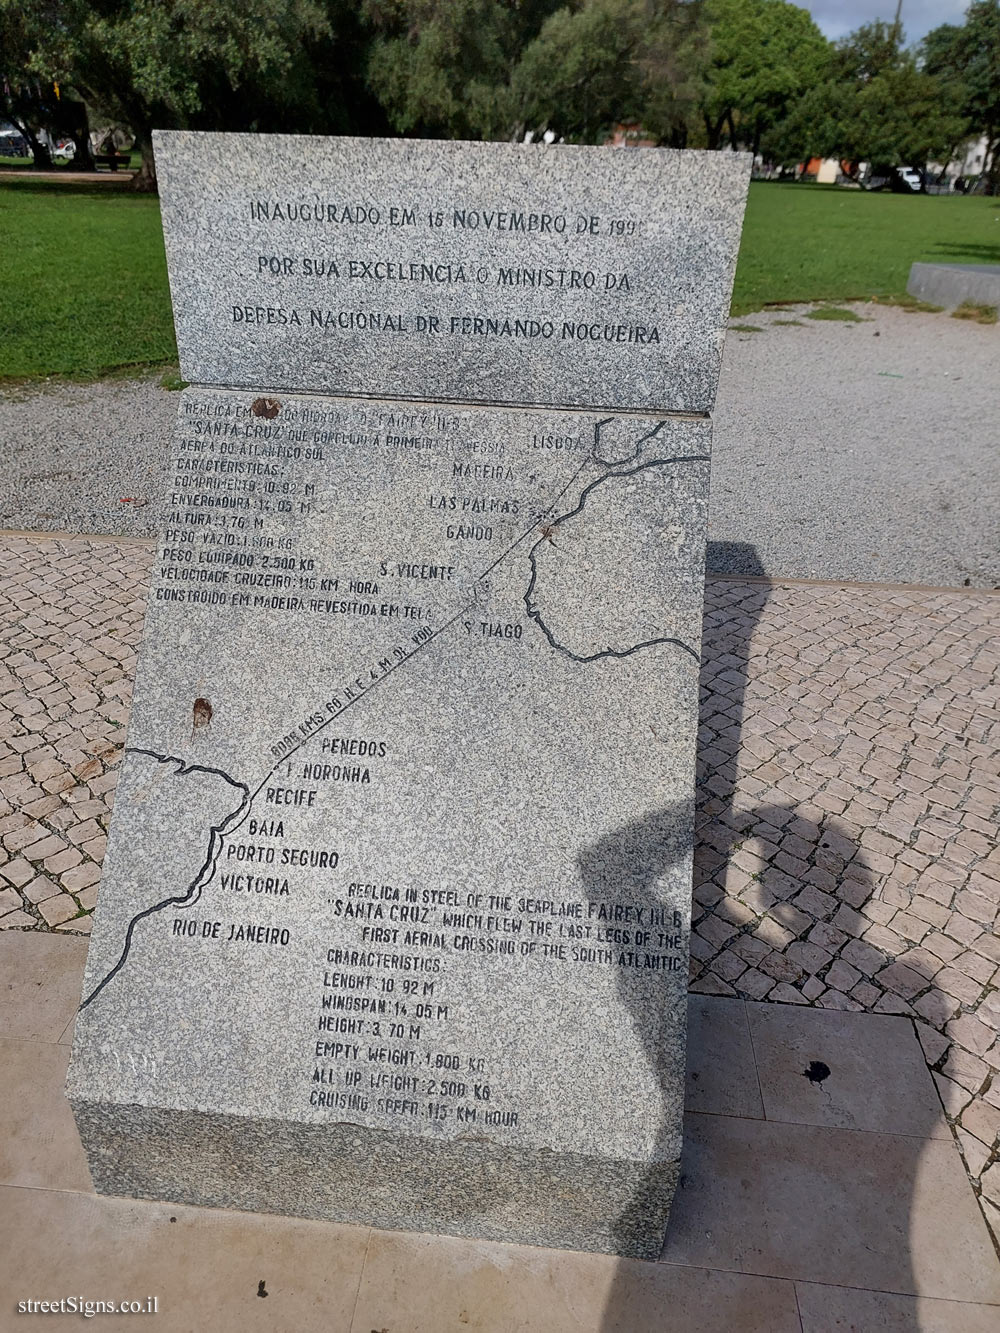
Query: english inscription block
point(394, 918)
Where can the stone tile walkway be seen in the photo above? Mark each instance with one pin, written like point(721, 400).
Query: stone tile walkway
point(860, 1215)
point(846, 858)
point(849, 794)
point(71, 615)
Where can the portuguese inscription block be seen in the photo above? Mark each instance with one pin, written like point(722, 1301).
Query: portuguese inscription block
point(471, 272)
point(394, 919)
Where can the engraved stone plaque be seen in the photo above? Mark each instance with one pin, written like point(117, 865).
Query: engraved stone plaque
point(394, 918)
point(474, 272)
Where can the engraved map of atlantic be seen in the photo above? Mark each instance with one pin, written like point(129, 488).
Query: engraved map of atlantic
point(496, 578)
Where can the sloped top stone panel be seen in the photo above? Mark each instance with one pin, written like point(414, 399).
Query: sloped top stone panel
point(514, 274)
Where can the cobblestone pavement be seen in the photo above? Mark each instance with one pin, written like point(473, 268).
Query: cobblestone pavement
point(849, 756)
point(71, 615)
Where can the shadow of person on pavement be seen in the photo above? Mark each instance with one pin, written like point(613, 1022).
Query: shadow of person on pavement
point(635, 865)
point(762, 945)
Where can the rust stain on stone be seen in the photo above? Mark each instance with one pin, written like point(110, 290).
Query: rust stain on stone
point(265, 407)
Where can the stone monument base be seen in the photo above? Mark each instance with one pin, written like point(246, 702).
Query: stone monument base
point(324, 1172)
point(949, 285)
point(396, 903)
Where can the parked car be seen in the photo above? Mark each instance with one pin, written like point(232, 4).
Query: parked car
point(13, 144)
point(901, 180)
point(906, 180)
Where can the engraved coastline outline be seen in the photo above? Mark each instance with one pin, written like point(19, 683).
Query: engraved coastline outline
point(624, 467)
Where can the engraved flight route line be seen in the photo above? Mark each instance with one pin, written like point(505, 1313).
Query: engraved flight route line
point(231, 823)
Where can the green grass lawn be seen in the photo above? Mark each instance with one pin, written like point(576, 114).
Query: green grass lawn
point(824, 243)
point(24, 163)
point(83, 282)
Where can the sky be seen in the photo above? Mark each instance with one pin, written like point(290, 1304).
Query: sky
point(838, 17)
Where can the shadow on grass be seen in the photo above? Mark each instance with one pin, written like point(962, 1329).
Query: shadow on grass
point(118, 185)
point(981, 254)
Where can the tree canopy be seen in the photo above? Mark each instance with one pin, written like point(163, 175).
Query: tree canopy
point(751, 74)
point(966, 59)
point(197, 64)
point(763, 56)
point(876, 104)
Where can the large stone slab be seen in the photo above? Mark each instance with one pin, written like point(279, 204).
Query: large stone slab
point(949, 285)
point(426, 870)
point(490, 273)
point(394, 918)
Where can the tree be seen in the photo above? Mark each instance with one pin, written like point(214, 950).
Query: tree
point(25, 97)
point(601, 62)
point(876, 105)
point(494, 68)
point(903, 115)
point(194, 63)
point(967, 59)
point(581, 74)
point(763, 57)
point(442, 68)
point(673, 55)
point(812, 126)
point(32, 100)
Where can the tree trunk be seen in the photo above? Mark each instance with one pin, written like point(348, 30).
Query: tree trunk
point(713, 133)
point(993, 150)
point(144, 179)
point(83, 158)
point(951, 157)
point(42, 158)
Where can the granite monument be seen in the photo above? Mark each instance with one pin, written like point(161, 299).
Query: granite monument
point(394, 918)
